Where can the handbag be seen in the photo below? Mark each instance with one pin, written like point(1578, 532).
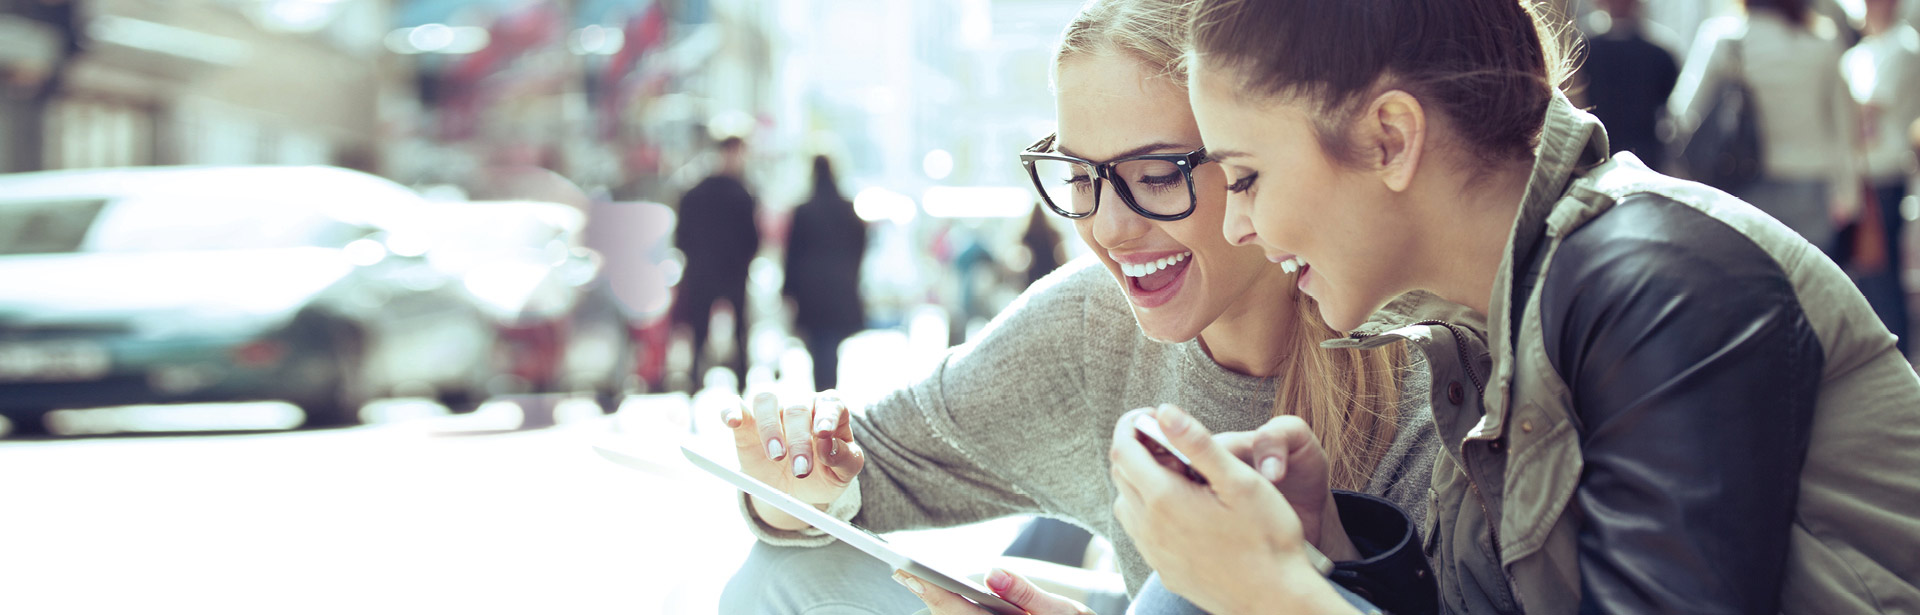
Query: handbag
point(1862, 242)
point(1725, 150)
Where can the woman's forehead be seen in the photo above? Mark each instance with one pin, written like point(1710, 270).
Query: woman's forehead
point(1110, 104)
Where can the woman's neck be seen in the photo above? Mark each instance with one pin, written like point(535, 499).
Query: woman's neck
point(1470, 225)
point(1249, 337)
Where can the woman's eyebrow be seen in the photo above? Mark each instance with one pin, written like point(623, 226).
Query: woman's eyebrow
point(1150, 147)
point(1223, 154)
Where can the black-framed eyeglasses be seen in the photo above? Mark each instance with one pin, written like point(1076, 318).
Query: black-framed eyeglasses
point(1156, 186)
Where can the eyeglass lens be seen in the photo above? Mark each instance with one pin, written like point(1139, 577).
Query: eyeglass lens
point(1157, 186)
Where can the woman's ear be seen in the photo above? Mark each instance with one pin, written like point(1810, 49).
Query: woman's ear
point(1394, 132)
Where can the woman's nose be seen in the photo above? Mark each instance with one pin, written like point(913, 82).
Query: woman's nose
point(1236, 225)
point(1114, 222)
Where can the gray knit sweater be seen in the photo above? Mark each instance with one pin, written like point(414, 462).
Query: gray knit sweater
point(1019, 421)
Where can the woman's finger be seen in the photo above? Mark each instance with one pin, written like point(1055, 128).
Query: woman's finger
point(833, 437)
point(1278, 442)
point(1238, 443)
point(1221, 469)
point(842, 458)
point(1030, 598)
point(939, 600)
point(797, 421)
point(1132, 467)
point(740, 421)
point(766, 413)
point(830, 416)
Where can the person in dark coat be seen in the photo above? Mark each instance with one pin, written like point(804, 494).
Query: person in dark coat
point(1043, 246)
point(1630, 71)
point(824, 250)
point(719, 236)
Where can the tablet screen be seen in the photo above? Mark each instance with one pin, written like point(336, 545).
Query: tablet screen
point(851, 534)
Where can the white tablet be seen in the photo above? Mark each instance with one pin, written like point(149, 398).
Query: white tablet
point(846, 532)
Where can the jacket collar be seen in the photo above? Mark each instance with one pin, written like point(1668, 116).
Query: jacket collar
point(1571, 142)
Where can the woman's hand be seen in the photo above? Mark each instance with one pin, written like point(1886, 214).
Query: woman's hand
point(1287, 454)
point(1234, 545)
point(1008, 586)
point(804, 449)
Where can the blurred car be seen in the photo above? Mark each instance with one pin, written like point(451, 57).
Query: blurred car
point(209, 284)
point(524, 264)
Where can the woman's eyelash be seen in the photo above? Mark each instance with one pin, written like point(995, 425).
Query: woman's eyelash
point(1242, 184)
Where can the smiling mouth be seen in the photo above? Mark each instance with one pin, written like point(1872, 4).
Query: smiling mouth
point(1154, 276)
point(1293, 264)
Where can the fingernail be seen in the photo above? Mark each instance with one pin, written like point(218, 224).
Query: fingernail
point(823, 425)
point(999, 581)
point(800, 466)
point(774, 450)
point(1270, 468)
point(1173, 421)
point(913, 585)
point(731, 418)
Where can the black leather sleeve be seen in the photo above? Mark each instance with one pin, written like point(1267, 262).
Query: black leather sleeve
point(1392, 572)
point(1693, 372)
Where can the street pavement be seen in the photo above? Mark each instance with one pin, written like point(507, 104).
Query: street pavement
point(417, 512)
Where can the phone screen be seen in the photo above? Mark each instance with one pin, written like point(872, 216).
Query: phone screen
point(1147, 430)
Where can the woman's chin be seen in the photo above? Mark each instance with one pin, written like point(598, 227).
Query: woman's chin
point(1166, 332)
point(1343, 317)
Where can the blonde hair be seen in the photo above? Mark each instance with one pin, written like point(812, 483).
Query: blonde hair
point(1349, 398)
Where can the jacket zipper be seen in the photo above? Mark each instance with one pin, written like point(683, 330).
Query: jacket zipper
point(1460, 347)
point(1479, 497)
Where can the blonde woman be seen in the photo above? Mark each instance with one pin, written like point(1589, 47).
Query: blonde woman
point(1165, 311)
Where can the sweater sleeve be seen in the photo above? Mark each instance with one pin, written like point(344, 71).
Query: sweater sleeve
point(946, 450)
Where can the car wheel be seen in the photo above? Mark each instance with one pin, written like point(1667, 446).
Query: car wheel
point(340, 404)
point(478, 388)
point(27, 422)
point(462, 402)
point(623, 381)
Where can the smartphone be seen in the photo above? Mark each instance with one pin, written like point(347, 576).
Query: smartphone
point(1147, 430)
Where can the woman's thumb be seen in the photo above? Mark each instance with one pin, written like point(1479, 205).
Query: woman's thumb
point(1030, 598)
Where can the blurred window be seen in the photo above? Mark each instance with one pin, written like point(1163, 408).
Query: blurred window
point(46, 227)
point(166, 223)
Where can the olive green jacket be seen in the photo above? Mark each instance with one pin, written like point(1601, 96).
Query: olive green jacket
point(1502, 525)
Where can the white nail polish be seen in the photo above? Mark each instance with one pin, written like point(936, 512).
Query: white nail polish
point(774, 449)
point(800, 465)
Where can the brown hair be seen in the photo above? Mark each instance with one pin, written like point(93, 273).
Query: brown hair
point(1349, 398)
point(1489, 66)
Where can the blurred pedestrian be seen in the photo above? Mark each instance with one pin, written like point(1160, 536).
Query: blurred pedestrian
point(1629, 73)
point(1884, 69)
point(824, 250)
point(719, 236)
point(1810, 176)
point(1043, 246)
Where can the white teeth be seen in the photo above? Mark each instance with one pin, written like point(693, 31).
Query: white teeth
point(1293, 265)
point(1142, 269)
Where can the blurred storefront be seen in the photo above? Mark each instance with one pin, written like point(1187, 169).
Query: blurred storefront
point(612, 95)
point(138, 82)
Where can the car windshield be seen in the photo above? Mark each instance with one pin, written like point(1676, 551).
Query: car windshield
point(46, 227)
point(166, 223)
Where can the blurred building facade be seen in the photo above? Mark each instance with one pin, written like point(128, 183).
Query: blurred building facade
point(137, 82)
